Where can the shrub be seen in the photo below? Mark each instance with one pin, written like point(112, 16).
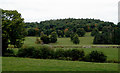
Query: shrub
point(47, 52)
point(53, 37)
point(37, 53)
point(26, 52)
point(96, 56)
point(67, 53)
point(59, 53)
point(72, 35)
point(76, 39)
point(38, 41)
point(76, 54)
point(45, 39)
point(43, 52)
point(10, 52)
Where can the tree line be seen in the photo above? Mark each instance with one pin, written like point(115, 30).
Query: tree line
point(64, 27)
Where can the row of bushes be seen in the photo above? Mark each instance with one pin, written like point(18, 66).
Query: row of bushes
point(61, 54)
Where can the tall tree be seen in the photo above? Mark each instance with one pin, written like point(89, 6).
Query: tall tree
point(13, 31)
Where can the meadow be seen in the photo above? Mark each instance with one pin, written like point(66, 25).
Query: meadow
point(28, 64)
point(84, 41)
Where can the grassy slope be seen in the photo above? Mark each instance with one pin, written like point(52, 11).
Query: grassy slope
point(26, 64)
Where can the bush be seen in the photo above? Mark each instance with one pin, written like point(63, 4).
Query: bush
point(45, 39)
point(76, 39)
point(72, 35)
point(76, 54)
point(53, 37)
point(26, 52)
point(96, 56)
point(59, 53)
point(9, 53)
point(43, 52)
point(38, 41)
point(47, 52)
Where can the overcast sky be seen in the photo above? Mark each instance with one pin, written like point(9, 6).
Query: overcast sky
point(40, 10)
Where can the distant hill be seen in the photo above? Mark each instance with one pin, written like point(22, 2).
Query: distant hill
point(71, 24)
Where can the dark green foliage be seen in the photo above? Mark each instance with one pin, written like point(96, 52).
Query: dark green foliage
point(116, 35)
point(43, 52)
point(109, 35)
point(26, 52)
point(80, 32)
point(98, 39)
point(72, 35)
point(94, 32)
point(53, 37)
point(76, 54)
point(31, 32)
point(13, 31)
point(47, 52)
point(76, 39)
point(45, 39)
point(67, 34)
point(60, 33)
point(9, 53)
point(96, 56)
point(59, 53)
point(71, 24)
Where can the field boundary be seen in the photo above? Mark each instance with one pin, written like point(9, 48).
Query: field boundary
point(93, 46)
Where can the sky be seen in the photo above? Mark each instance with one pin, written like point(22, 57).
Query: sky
point(41, 10)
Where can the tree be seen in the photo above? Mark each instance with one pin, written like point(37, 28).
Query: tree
point(31, 32)
point(13, 31)
point(45, 39)
point(76, 39)
point(72, 35)
point(116, 35)
point(80, 32)
point(60, 33)
point(67, 34)
point(53, 37)
point(94, 32)
point(98, 39)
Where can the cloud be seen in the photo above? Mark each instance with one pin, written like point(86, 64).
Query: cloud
point(39, 10)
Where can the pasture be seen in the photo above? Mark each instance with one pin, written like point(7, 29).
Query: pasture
point(27, 64)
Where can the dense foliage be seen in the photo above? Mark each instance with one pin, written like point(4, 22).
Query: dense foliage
point(76, 39)
point(96, 56)
point(53, 37)
point(68, 26)
point(109, 35)
point(94, 32)
point(45, 52)
point(13, 31)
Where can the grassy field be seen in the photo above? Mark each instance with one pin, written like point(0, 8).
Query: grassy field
point(27, 64)
point(87, 40)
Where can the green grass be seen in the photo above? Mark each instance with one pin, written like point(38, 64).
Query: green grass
point(111, 53)
point(87, 40)
point(27, 64)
